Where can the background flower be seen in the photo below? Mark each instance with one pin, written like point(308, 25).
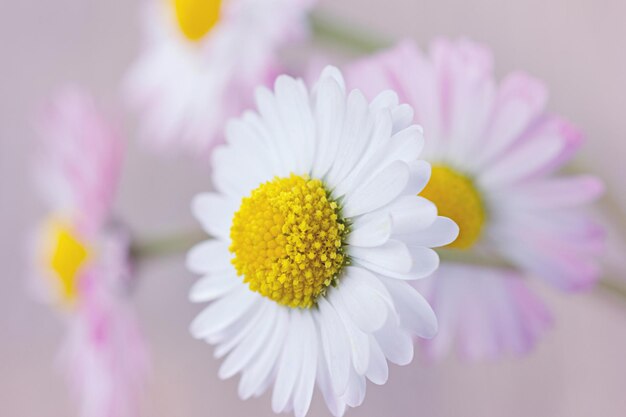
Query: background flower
point(495, 152)
point(197, 72)
point(82, 260)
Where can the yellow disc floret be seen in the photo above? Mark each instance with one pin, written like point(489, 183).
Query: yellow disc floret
point(196, 17)
point(68, 255)
point(456, 197)
point(287, 238)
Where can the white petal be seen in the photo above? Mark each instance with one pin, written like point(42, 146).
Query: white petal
point(329, 116)
point(411, 213)
point(297, 120)
point(304, 390)
point(257, 376)
point(248, 349)
point(425, 262)
point(354, 140)
point(222, 312)
point(335, 404)
point(403, 116)
point(365, 305)
point(381, 190)
point(387, 99)
point(392, 255)
point(359, 341)
point(415, 313)
point(213, 286)
point(375, 231)
point(215, 213)
point(333, 72)
point(418, 178)
point(209, 256)
point(378, 371)
point(237, 332)
point(395, 343)
point(335, 346)
point(289, 364)
point(442, 232)
point(356, 390)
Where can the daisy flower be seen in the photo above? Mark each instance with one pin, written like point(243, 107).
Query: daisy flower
point(495, 152)
point(82, 258)
point(318, 227)
point(202, 60)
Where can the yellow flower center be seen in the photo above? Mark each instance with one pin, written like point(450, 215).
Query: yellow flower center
point(456, 197)
point(196, 17)
point(67, 257)
point(287, 238)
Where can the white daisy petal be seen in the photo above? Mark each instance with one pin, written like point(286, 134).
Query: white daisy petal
point(381, 190)
point(359, 340)
point(368, 317)
point(304, 390)
point(411, 214)
point(257, 375)
point(441, 232)
point(403, 117)
point(392, 255)
point(419, 176)
point(329, 112)
point(209, 256)
point(237, 333)
point(289, 364)
point(335, 346)
point(374, 231)
point(395, 343)
point(378, 371)
point(222, 313)
point(248, 348)
point(356, 390)
point(425, 262)
point(214, 212)
point(213, 286)
point(413, 310)
point(334, 403)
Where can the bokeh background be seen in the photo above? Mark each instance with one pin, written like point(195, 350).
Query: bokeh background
point(579, 369)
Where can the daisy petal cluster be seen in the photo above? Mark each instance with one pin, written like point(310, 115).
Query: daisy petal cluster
point(318, 230)
point(496, 153)
point(201, 62)
point(82, 258)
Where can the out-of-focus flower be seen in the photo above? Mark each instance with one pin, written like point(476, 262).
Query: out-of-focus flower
point(82, 260)
point(318, 227)
point(202, 61)
point(494, 151)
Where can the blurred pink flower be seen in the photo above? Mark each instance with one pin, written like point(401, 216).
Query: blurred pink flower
point(82, 258)
point(487, 310)
point(494, 151)
point(201, 63)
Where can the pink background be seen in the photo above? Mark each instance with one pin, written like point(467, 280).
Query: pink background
point(576, 46)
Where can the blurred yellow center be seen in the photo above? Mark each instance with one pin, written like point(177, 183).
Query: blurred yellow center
point(287, 238)
point(66, 259)
point(456, 197)
point(196, 17)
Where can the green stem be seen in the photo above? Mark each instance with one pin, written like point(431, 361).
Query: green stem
point(612, 287)
point(333, 30)
point(165, 245)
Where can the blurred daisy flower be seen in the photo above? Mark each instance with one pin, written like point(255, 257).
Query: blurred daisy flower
point(495, 152)
point(318, 228)
point(202, 60)
point(81, 258)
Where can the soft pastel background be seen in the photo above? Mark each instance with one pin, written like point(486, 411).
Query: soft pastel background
point(577, 46)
